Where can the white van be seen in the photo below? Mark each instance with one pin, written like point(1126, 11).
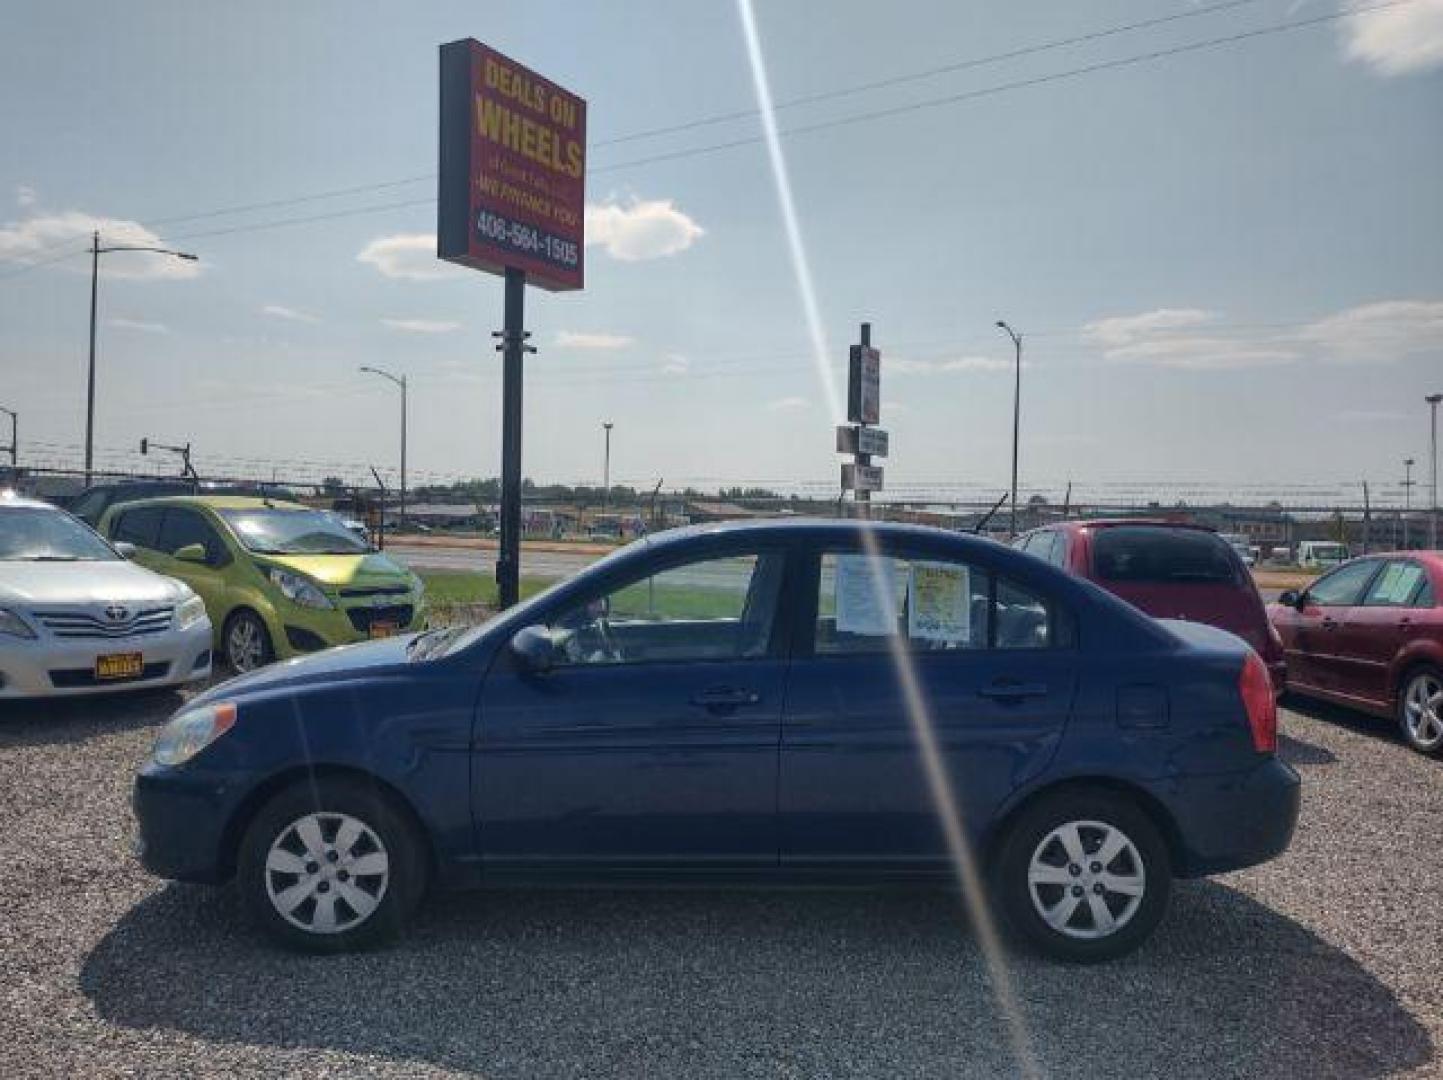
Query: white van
point(1322, 553)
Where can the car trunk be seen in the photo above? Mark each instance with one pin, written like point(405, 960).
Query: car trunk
point(1228, 607)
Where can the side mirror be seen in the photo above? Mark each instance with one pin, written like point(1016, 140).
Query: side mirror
point(1293, 598)
point(125, 547)
point(534, 650)
point(193, 553)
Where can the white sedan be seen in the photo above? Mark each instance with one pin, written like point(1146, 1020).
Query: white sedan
point(77, 618)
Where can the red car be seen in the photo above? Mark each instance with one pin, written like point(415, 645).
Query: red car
point(1169, 570)
point(1369, 635)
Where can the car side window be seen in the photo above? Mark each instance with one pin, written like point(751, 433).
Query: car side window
point(181, 528)
point(870, 604)
point(1397, 586)
point(1343, 586)
point(1056, 552)
point(713, 609)
point(139, 526)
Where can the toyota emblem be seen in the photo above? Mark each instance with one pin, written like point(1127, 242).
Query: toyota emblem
point(116, 612)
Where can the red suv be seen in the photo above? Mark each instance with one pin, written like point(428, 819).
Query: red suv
point(1169, 570)
point(1369, 635)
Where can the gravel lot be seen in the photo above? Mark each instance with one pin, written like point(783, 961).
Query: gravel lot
point(1328, 962)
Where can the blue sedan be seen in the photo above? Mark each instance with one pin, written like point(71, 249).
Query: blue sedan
point(801, 701)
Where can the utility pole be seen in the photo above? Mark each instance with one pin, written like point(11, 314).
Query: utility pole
point(1432, 400)
point(401, 382)
point(606, 466)
point(1016, 411)
point(1408, 483)
point(512, 347)
point(95, 252)
point(14, 446)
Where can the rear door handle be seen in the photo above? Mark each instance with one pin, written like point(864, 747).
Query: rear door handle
point(1330, 624)
point(1012, 691)
point(717, 698)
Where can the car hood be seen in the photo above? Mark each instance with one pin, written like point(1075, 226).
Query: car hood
point(372, 568)
point(84, 583)
point(326, 666)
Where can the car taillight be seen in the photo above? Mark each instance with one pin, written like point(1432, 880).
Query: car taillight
point(1256, 688)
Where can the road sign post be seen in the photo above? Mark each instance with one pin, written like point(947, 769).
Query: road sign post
point(864, 408)
point(510, 201)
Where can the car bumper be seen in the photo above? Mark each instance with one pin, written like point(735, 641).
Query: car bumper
point(51, 667)
point(305, 630)
point(1234, 820)
point(181, 818)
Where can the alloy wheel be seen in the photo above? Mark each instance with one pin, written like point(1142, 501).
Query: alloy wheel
point(326, 873)
point(1423, 711)
point(245, 647)
point(1086, 879)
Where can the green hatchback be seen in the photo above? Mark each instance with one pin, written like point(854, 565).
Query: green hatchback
point(279, 579)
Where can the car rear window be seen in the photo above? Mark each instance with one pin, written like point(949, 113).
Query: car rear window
point(1160, 554)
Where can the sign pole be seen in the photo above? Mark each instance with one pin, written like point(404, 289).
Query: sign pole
point(513, 346)
point(861, 495)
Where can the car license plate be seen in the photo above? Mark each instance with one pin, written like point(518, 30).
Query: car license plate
point(119, 665)
point(383, 629)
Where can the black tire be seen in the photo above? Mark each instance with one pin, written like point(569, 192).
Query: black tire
point(243, 621)
point(1431, 741)
point(1088, 809)
point(332, 803)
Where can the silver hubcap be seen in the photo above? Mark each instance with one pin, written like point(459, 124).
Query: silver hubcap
point(326, 873)
point(244, 645)
point(1086, 879)
point(1423, 712)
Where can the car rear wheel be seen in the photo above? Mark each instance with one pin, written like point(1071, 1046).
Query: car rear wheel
point(247, 642)
point(1420, 710)
point(1083, 876)
point(331, 866)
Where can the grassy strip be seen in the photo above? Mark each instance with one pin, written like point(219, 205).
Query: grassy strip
point(456, 587)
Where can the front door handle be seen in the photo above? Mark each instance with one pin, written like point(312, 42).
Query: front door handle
point(722, 698)
point(1330, 624)
point(1005, 690)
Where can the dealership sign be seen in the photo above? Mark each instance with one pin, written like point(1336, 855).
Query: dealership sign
point(512, 190)
point(864, 385)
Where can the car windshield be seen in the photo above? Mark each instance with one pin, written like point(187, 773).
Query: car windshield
point(279, 531)
point(38, 534)
point(1160, 554)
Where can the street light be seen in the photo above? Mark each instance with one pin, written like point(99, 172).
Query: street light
point(401, 382)
point(1432, 400)
point(1016, 411)
point(14, 446)
point(1408, 483)
point(606, 466)
point(95, 252)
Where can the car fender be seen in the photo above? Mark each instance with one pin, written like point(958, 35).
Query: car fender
point(1413, 653)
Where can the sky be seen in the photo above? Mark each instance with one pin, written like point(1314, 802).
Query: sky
point(1226, 262)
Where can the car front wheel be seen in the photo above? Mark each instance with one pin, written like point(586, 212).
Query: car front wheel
point(1420, 711)
point(331, 866)
point(247, 642)
point(1083, 876)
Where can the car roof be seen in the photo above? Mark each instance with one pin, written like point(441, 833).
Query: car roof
point(14, 500)
point(814, 528)
point(217, 502)
point(1147, 522)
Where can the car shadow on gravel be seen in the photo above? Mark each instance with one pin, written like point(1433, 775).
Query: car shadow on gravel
point(56, 721)
point(721, 983)
point(1361, 723)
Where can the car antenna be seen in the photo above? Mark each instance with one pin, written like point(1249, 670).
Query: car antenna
point(982, 524)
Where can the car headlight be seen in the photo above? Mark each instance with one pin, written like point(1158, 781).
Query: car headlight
point(190, 612)
point(299, 590)
point(13, 625)
point(191, 730)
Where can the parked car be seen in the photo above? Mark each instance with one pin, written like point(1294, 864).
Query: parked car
point(90, 505)
point(742, 702)
point(1315, 554)
point(279, 579)
point(1168, 569)
point(1369, 635)
point(1247, 551)
point(77, 618)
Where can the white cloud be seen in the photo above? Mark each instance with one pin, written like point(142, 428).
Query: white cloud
point(1379, 332)
point(422, 326)
point(788, 404)
point(279, 311)
point(409, 256)
point(139, 327)
point(25, 195)
point(640, 229)
point(1398, 40)
point(676, 364)
point(1181, 338)
point(42, 236)
point(904, 366)
point(1126, 329)
point(573, 339)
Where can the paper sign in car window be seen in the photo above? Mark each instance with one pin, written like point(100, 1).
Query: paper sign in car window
point(866, 595)
point(1398, 583)
point(940, 603)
